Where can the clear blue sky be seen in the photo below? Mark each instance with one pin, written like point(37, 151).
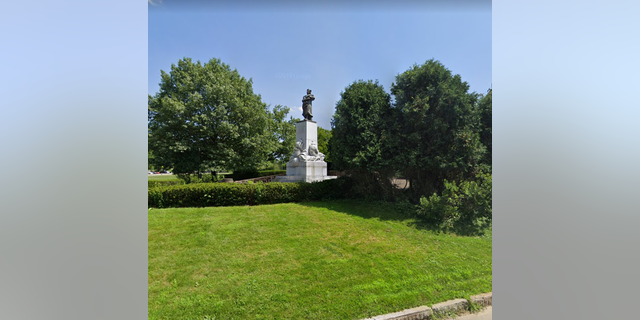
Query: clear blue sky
point(286, 49)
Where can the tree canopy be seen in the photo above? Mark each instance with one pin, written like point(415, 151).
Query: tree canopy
point(439, 126)
point(360, 127)
point(484, 107)
point(284, 133)
point(324, 136)
point(206, 116)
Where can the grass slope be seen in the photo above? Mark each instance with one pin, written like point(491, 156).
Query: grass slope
point(319, 260)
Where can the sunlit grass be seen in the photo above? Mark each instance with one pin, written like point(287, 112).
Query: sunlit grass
point(319, 260)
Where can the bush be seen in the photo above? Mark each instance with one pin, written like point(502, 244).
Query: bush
point(200, 195)
point(153, 184)
point(461, 206)
point(236, 194)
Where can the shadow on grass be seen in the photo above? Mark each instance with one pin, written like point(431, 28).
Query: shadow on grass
point(390, 211)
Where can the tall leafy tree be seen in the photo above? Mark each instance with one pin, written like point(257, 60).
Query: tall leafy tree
point(207, 116)
point(484, 107)
point(439, 126)
point(324, 136)
point(361, 138)
point(359, 127)
point(284, 133)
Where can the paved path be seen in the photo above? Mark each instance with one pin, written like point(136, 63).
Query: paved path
point(484, 315)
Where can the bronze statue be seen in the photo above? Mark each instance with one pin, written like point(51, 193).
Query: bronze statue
point(306, 105)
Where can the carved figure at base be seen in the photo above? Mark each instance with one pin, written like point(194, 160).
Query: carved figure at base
point(315, 153)
point(298, 150)
point(301, 154)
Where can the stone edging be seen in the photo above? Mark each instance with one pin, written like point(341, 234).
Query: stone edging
point(456, 306)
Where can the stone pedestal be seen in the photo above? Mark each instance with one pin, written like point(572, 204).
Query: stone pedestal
point(307, 131)
point(304, 165)
point(306, 171)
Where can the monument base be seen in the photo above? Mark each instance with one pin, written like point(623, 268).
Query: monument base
point(306, 172)
point(306, 164)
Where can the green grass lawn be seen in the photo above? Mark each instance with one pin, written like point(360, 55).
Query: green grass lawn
point(157, 177)
point(316, 260)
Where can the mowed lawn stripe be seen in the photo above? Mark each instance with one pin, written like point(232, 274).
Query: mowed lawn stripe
point(319, 260)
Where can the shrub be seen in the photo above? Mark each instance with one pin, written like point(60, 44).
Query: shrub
point(461, 205)
point(153, 184)
point(199, 195)
point(236, 194)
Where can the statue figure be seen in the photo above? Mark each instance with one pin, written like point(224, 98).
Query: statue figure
point(298, 153)
point(301, 154)
point(315, 153)
point(298, 149)
point(306, 105)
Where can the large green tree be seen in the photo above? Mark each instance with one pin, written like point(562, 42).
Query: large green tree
point(206, 116)
point(484, 107)
point(284, 134)
point(439, 127)
point(362, 140)
point(360, 128)
point(324, 136)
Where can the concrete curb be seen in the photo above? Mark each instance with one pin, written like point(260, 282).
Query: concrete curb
point(457, 306)
point(451, 306)
point(484, 299)
point(419, 313)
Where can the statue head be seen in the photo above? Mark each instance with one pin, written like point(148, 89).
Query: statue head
point(308, 91)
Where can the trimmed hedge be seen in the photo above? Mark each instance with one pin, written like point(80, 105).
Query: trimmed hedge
point(235, 194)
point(153, 184)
